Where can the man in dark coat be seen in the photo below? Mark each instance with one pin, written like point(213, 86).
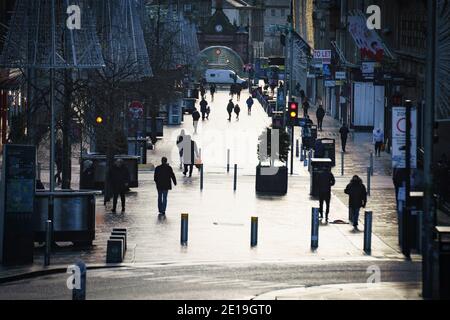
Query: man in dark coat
point(195, 118)
point(320, 114)
point(344, 134)
point(212, 90)
point(120, 179)
point(203, 108)
point(325, 181)
point(163, 177)
point(357, 198)
point(230, 108)
point(250, 103)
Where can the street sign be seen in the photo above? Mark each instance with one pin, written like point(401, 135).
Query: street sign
point(324, 55)
point(330, 83)
point(136, 110)
point(340, 75)
point(399, 137)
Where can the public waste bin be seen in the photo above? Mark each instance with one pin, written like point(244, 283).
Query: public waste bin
point(318, 165)
point(138, 148)
point(329, 150)
point(441, 265)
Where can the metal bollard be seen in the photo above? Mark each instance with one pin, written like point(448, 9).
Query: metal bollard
point(371, 163)
point(368, 232)
point(254, 232)
point(80, 292)
point(342, 163)
point(184, 228)
point(309, 160)
point(302, 153)
point(314, 228)
point(368, 181)
point(48, 241)
point(201, 177)
point(235, 177)
point(296, 149)
point(228, 160)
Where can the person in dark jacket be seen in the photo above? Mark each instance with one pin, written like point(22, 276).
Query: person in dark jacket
point(230, 108)
point(202, 91)
point(237, 110)
point(357, 198)
point(195, 118)
point(305, 105)
point(320, 114)
point(164, 177)
point(250, 103)
point(325, 181)
point(120, 179)
point(238, 91)
point(203, 108)
point(212, 90)
point(344, 134)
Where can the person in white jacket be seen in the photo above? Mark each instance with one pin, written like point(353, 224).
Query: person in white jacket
point(190, 153)
point(378, 139)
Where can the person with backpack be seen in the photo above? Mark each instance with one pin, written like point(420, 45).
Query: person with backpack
point(163, 178)
point(237, 110)
point(230, 108)
point(357, 198)
point(203, 108)
point(195, 118)
point(250, 103)
point(325, 182)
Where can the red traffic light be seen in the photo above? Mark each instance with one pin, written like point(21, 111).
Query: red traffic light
point(293, 110)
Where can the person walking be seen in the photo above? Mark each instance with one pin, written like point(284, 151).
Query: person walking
point(325, 181)
point(232, 90)
point(238, 91)
point(208, 111)
point(305, 106)
point(190, 153)
point(203, 108)
point(230, 108)
point(250, 103)
point(180, 139)
point(357, 198)
point(320, 114)
point(378, 139)
point(58, 161)
point(202, 91)
point(195, 118)
point(164, 177)
point(344, 135)
point(212, 90)
point(120, 179)
point(237, 110)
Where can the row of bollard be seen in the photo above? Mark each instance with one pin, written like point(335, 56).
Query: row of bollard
point(367, 246)
point(116, 246)
point(314, 230)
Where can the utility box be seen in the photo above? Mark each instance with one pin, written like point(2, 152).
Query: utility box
point(441, 265)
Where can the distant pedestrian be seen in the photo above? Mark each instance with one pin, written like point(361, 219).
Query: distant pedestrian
point(320, 114)
point(180, 139)
point(305, 106)
point(230, 108)
point(190, 153)
point(250, 103)
point(203, 108)
point(202, 91)
point(232, 90)
point(208, 111)
point(163, 177)
point(237, 110)
point(344, 134)
point(378, 139)
point(357, 198)
point(238, 91)
point(58, 161)
point(195, 118)
point(120, 179)
point(325, 182)
point(212, 90)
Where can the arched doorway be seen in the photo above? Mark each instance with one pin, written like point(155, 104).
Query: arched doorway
point(219, 57)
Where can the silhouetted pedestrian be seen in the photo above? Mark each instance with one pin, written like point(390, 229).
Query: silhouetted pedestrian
point(250, 103)
point(195, 118)
point(212, 90)
point(237, 110)
point(120, 179)
point(325, 181)
point(378, 139)
point(357, 198)
point(343, 131)
point(230, 108)
point(163, 177)
point(320, 114)
point(203, 108)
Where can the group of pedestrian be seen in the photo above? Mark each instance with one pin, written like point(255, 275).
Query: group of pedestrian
point(233, 107)
point(355, 190)
point(235, 89)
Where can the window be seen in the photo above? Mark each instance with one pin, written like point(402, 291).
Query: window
point(274, 12)
point(283, 12)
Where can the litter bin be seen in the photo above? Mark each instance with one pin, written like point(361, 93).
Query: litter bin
point(318, 165)
point(441, 265)
point(189, 105)
point(97, 165)
point(73, 218)
point(138, 149)
point(159, 127)
point(329, 150)
point(415, 220)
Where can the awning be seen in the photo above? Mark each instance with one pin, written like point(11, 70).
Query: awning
point(343, 61)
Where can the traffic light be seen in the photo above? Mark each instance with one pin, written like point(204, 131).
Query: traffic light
point(293, 112)
point(99, 120)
